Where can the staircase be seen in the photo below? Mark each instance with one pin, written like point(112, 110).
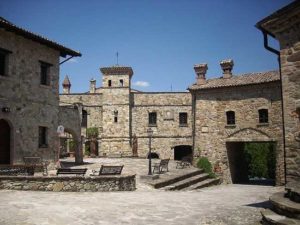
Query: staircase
point(188, 181)
point(286, 207)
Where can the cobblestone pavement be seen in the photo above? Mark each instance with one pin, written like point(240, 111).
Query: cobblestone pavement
point(218, 205)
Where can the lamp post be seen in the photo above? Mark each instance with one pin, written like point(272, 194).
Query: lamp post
point(150, 133)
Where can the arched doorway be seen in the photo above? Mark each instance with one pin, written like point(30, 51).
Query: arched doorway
point(4, 142)
point(183, 151)
point(154, 155)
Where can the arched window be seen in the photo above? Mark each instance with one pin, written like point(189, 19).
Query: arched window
point(263, 116)
point(116, 116)
point(109, 83)
point(84, 118)
point(230, 115)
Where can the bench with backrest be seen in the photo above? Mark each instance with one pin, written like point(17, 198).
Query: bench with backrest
point(184, 162)
point(37, 162)
point(71, 171)
point(163, 164)
point(109, 170)
point(17, 170)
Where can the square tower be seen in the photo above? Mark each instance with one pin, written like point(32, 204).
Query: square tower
point(116, 111)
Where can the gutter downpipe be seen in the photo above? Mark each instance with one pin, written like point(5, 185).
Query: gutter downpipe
point(266, 45)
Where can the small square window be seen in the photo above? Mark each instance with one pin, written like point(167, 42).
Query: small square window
point(43, 142)
point(121, 83)
point(263, 116)
point(45, 73)
point(183, 119)
point(230, 115)
point(152, 118)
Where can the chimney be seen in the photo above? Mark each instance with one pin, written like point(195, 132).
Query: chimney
point(227, 66)
point(66, 85)
point(200, 70)
point(92, 85)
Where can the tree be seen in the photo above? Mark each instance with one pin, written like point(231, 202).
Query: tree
point(92, 134)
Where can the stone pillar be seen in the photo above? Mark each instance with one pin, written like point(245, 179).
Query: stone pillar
point(92, 85)
point(227, 66)
point(200, 70)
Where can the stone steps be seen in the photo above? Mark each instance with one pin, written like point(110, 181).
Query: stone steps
point(203, 184)
point(285, 206)
point(271, 218)
point(186, 182)
point(173, 179)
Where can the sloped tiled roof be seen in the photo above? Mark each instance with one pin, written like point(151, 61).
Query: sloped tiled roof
point(117, 69)
point(240, 80)
point(64, 51)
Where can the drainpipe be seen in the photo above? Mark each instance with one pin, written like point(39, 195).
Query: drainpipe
point(194, 120)
point(266, 45)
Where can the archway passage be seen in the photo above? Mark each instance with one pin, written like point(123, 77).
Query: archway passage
point(252, 162)
point(4, 142)
point(183, 151)
point(154, 155)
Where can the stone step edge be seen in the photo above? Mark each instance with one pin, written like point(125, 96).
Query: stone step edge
point(285, 206)
point(187, 182)
point(205, 183)
point(271, 218)
point(175, 179)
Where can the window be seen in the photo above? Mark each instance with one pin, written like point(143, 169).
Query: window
point(109, 83)
point(45, 73)
point(263, 116)
point(121, 83)
point(230, 117)
point(43, 137)
point(183, 119)
point(3, 62)
point(84, 118)
point(152, 119)
point(116, 116)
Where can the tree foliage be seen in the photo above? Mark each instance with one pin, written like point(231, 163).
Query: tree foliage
point(92, 132)
point(261, 159)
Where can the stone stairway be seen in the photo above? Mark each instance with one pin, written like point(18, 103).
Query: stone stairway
point(285, 207)
point(190, 180)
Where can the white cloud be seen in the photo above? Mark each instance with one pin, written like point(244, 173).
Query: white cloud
point(141, 84)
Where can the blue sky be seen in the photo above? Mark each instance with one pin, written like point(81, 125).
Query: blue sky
point(160, 39)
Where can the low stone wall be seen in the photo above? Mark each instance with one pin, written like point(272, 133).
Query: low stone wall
point(68, 183)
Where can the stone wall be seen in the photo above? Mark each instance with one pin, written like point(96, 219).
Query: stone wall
point(168, 133)
point(212, 132)
point(31, 104)
point(69, 184)
point(284, 25)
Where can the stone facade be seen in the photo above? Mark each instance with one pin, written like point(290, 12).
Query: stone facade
point(27, 104)
point(284, 25)
point(205, 127)
point(69, 184)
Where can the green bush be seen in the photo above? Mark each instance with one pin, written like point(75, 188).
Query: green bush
point(87, 150)
point(92, 132)
point(204, 164)
point(261, 159)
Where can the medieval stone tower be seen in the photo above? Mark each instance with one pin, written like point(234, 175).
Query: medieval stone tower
point(116, 111)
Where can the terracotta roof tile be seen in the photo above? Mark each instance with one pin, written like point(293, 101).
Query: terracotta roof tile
point(64, 51)
point(239, 80)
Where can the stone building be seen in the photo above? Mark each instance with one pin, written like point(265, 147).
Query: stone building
point(183, 122)
point(284, 25)
point(232, 110)
point(29, 96)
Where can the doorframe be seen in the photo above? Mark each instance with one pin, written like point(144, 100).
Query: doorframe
point(11, 140)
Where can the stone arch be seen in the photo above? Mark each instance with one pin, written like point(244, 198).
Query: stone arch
point(6, 141)
point(249, 135)
point(154, 155)
point(77, 140)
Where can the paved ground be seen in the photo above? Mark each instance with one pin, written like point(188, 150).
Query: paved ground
point(225, 204)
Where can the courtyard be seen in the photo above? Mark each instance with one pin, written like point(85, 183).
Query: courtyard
point(222, 204)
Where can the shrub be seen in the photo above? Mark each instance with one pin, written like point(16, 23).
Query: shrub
point(92, 132)
point(261, 159)
point(87, 150)
point(204, 164)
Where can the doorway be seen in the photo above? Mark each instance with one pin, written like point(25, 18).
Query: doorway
point(4, 142)
point(183, 151)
